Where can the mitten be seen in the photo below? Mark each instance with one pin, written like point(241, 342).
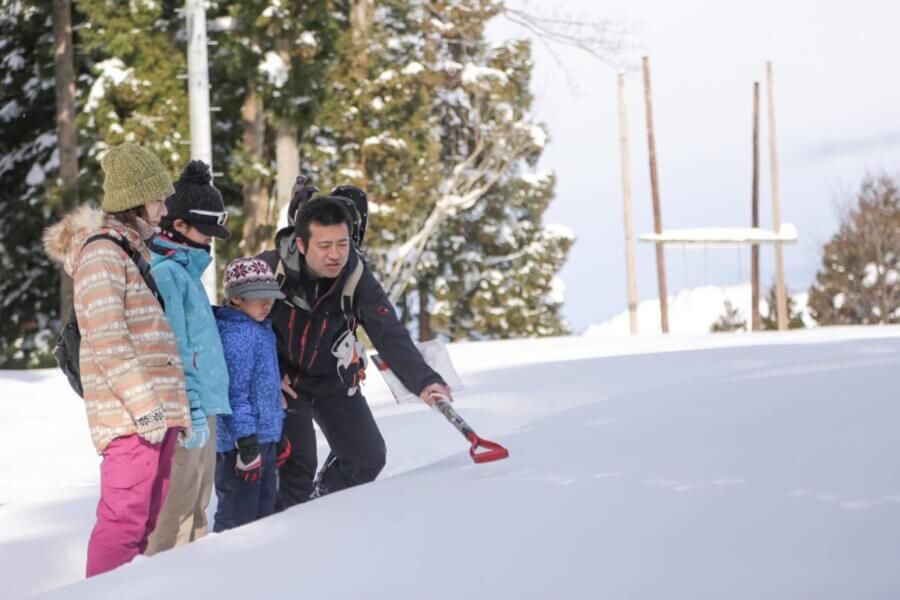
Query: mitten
point(200, 429)
point(152, 425)
point(248, 465)
point(283, 451)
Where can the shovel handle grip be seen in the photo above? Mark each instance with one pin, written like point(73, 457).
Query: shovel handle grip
point(490, 451)
point(481, 450)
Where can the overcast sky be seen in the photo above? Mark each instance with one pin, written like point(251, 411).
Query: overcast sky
point(837, 96)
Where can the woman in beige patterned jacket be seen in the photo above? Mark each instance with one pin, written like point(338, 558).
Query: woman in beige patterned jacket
point(131, 372)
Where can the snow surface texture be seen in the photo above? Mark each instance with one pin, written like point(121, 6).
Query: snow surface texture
point(728, 466)
point(693, 311)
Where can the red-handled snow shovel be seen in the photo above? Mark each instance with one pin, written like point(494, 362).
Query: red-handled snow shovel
point(482, 450)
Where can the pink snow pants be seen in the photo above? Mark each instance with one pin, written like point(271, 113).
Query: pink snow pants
point(134, 481)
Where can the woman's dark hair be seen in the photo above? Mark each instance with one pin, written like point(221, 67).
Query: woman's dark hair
point(324, 210)
point(130, 217)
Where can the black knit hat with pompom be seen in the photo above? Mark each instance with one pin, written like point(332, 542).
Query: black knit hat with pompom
point(197, 202)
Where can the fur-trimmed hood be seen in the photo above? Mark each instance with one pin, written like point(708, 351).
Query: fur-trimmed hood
point(63, 241)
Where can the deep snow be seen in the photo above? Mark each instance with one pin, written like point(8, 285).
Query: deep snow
point(738, 466)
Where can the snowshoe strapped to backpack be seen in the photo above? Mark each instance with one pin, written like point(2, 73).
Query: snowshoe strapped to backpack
point(354, 199)
point(358, 206)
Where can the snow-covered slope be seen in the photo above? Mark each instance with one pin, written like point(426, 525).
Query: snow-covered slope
point(693, 311)
point(731, 466)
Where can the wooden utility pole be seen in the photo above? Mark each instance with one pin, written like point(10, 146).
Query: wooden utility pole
point(626, 199)
point(780, 296)
point(754, 249)
point(657, 217)
point(64, 65)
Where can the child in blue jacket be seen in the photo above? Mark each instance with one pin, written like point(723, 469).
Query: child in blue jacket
point(180, 255)
point(248, 441)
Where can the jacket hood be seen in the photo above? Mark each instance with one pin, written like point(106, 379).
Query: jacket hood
point(195, 260)
point(287, 250)
point(63, 241)
point(293, 261)
point(229, 315)
point(70, 232)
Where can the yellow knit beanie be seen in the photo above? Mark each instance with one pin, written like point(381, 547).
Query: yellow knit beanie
point(133, 176)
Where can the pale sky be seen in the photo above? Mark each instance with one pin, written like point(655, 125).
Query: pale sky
point(837, 99)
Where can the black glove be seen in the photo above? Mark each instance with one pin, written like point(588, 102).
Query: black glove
point(282, 451)
point(248, 465)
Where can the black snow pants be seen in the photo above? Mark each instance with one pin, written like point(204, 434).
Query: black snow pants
point(357, 448)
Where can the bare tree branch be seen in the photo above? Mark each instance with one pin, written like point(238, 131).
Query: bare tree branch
point(471, 179)
point(601, 38)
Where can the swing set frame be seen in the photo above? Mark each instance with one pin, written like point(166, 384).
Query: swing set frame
point(754, 236)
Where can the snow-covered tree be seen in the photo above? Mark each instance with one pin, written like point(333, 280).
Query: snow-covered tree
point(499, 276)
point(29, 286)
point(436, 127)
point(858, 282)
point(137, 91)
point(374, 130)
point(274, 54)
point(492, 267)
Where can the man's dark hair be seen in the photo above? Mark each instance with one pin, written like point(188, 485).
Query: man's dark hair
point(324, 210)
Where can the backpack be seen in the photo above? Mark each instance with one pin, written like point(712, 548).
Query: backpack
point(68, 344)
point(355, 200)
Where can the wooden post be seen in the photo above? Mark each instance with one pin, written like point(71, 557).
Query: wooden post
point(626, 199)
point(657, 217)
point(754, 249)
point(781, 298)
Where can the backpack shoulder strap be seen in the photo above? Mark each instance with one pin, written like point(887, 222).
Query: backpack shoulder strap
point(281, 278)
point(279, 272)
point(136, 257)
point(349, 292)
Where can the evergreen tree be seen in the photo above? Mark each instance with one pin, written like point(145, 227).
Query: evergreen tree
point(435, 127)
point(501, 281)
point(769, 320)
point(730, 320)
point(274, 57)
point(374, 131)
point(858, 282)
point(28, 158)
point(138, 92)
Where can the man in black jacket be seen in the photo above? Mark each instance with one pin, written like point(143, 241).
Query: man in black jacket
point(329, 291)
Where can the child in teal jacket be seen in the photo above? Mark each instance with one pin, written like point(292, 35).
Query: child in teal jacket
point(181, 253)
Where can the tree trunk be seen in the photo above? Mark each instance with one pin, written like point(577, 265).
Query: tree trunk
point(361, 12)
point(64, 63)
point(257, 223)
point(425, 331)
point(360, 23)
point(287, 161)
